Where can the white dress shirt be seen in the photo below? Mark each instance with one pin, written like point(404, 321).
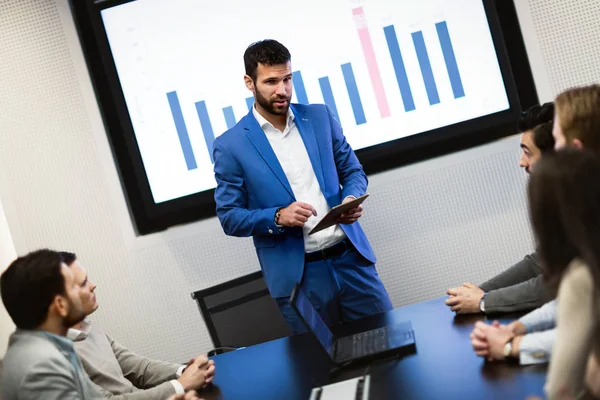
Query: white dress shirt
point(295, 162)
point(536, 345)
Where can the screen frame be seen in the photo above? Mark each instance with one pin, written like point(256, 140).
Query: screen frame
point(149, 216)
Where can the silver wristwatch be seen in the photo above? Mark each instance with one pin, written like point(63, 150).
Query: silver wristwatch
point(508, 347)
point(482, 303)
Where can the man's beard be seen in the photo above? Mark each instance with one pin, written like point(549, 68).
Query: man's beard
point(74, 316)
point(269, 106)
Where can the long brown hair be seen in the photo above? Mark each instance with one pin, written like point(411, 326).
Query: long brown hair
point(564, 205)
point(578, 112)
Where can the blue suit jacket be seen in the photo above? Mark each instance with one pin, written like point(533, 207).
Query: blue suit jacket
point(251, 186)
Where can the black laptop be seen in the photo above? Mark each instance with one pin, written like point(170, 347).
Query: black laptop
point(397, 338)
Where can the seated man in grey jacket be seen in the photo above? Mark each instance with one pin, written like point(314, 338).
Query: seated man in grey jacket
point(43, 300)
point(521, 287)
point(120, 371)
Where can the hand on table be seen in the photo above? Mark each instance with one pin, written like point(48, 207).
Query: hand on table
point(191, 395)
point(465, 299)
point(518, 328)
point(489, 340)
point(197, 374)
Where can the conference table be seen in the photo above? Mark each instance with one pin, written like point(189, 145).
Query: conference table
point(444, 365)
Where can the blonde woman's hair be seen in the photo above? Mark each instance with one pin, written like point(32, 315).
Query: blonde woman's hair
point(578, 112)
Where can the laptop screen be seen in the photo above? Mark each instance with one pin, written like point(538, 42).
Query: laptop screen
point(312, 318)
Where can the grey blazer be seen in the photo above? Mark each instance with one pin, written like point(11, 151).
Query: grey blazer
point(43, 366)
point(519, 288)
point(122, 372)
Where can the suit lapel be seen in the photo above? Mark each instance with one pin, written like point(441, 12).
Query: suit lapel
point(261, 143)
point(305, 127)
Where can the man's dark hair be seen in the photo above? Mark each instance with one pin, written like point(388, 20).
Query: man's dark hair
point(535, 116)
point(542, 137)
point(29, 285)
point(68, 257)
point(268, 52)
point(564, 204)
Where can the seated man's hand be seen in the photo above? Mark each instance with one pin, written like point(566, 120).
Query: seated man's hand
point(465, 299)
point(518, 328)
point(194, 375)
point(209, 373)
point(191, 395)
point(352, 215)
point(489, 340)
point(479, 342)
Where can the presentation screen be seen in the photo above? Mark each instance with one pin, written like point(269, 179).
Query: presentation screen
point(387, 70)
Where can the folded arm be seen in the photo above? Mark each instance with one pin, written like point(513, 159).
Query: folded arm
point(527, 268)
point(526, 295)
point(141, 371)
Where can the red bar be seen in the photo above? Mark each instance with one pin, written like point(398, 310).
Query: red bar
point(367, 46)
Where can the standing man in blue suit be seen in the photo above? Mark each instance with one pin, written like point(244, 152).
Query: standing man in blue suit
point(278, 171)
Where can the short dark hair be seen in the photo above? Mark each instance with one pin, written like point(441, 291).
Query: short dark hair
point(535, 116)
point(29, 286)
point(543, 138)
point(564, 204)
point(267, 52)
point(68, 257)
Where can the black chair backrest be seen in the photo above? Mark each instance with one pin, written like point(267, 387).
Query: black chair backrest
point(241, 312)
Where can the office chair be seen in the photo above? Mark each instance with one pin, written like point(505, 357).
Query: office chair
point(240, 313)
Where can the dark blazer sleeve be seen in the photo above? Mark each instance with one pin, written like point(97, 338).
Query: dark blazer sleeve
point(527, 268)
point(521, 287)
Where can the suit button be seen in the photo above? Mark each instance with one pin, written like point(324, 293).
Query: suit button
point(270, 230)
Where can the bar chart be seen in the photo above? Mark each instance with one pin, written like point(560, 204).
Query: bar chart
point(387, 70)
point(352, 90)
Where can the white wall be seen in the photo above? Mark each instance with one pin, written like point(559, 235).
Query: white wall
point(7, 254)
point(433, 224)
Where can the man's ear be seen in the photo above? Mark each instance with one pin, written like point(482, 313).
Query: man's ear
point(60, 306)
point(578, 144)
point(249, 83)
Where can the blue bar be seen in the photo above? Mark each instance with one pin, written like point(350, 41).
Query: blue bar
point(328, 95)
point(229, 117)
point(399, 69)
point(426, 70)
point(299, 87)
point(184, 137)
point(357, 108)
point(207, 129)
point(450, 59)
point(250, 102)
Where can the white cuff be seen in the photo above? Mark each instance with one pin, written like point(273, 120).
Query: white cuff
point(180, 370)
point(532, 350)
point(527, 358)
point(178, 387)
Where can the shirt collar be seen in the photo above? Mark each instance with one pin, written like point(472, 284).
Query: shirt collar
point(262, 121)
point(77, 335)
point(64, 345)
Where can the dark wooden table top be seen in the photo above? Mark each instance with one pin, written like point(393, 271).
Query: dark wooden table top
point(443, 367)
